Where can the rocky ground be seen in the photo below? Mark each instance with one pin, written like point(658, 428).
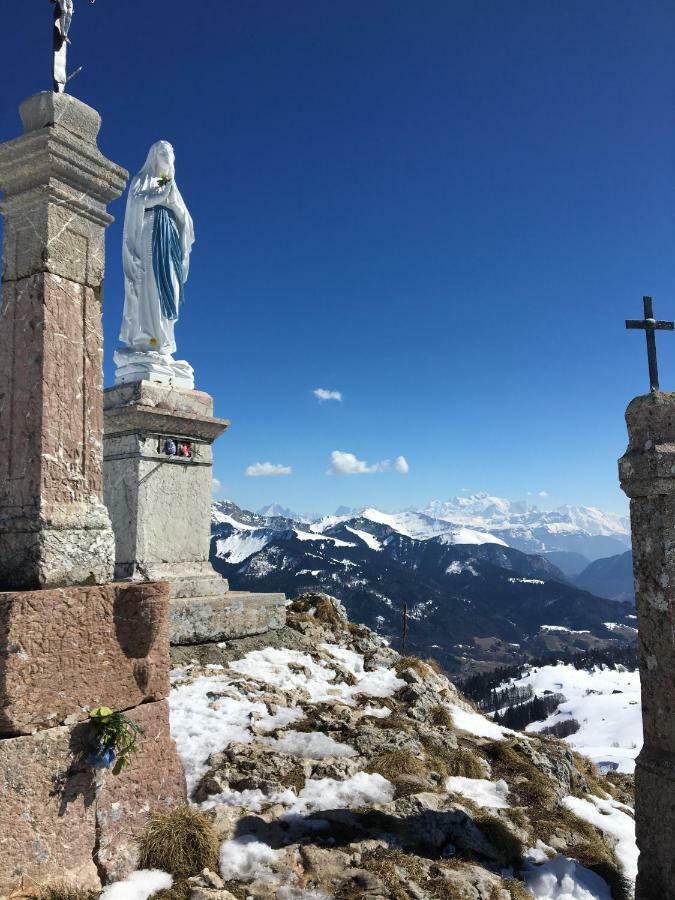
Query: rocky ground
point(332, 767)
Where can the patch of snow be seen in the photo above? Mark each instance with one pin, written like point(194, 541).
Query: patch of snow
point(309, 745)
point(378, 712)
point(457, 568)
point(555, 877)
point(138, 886)
point(362, 789)
point(312, 536)
point(527, 581)
point(469, 536)
point(201, 725)
point(476, 724)
point(273, 666)
point(246, 858)
point(613, 820)
point(286, 892)
point(241, 545)
point(484, 793)
point(561, 628)
point(369, 539)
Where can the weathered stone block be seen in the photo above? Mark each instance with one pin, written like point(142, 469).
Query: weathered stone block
point(65, 651)
point(155, 780)
point(233, 614)
point(47, 813)
point(60, 821)
point(647, 473)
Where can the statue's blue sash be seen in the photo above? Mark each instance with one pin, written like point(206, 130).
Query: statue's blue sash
point(167, 255)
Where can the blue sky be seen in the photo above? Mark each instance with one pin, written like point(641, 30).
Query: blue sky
point(443, 210)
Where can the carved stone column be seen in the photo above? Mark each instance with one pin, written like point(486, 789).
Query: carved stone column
point(54, 528)
point(647, 473)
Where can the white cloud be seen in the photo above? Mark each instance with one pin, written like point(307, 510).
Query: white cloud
point(258, 470)
point(322, 395)
point(342, 463)
point(401, 465)
point(216, 486)
point(543, 494)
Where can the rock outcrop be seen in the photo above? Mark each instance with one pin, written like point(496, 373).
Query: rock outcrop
point(334, 767)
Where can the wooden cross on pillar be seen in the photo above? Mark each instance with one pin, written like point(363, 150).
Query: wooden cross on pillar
point(650, 325)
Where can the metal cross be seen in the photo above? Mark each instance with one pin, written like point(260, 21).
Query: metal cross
point(650, 325)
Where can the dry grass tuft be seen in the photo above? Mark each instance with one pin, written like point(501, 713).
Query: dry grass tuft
point(63, 892)
point(501, 837)
point(586, 777)
point(452, 762)
point(465, 763)
point(622, 786)
point(181, 890)
point(412, 662)
point(441, 717)
point(527, 782)
point(393, 764)
point(383, 864)
point(435, 666)
point(182, 842)
point(517, 889)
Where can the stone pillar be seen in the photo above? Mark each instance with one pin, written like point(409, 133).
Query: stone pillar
point(647, 474)
point(54, 528)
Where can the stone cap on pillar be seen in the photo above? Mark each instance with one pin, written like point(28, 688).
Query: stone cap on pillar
point(57, 185)
point(148, 406)
point(648, 466)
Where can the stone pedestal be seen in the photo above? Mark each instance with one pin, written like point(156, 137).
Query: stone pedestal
point(63, 652)
point(54, 528)
point(647, 474)
point(160, 506)
point(160, 501)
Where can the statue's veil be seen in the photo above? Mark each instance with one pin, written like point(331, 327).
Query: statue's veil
point(151, 168)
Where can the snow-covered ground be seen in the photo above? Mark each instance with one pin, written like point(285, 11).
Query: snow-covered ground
point(258, 698)
point(605, 702)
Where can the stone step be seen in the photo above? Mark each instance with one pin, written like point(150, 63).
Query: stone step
point(203, 620)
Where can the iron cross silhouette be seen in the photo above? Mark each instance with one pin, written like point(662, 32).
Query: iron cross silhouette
point(650, 325)
point(63, 15)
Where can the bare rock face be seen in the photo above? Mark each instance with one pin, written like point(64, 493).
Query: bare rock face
point(65, 651)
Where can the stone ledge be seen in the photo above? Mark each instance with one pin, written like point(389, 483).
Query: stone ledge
point(62, 822)
point(235, 614)
point(66, 650)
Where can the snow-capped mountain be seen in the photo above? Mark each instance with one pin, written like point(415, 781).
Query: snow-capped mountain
point(468, 593)
point(576, 535)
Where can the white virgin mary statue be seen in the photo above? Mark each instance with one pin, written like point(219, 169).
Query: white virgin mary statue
point(158, 239)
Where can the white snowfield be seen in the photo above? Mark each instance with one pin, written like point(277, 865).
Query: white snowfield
point(605, 702)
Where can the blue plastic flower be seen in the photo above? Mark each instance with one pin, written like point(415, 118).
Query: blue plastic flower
point(102, 758)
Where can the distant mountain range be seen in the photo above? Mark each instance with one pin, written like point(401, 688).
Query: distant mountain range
point(472, 599)
point(572, 536)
